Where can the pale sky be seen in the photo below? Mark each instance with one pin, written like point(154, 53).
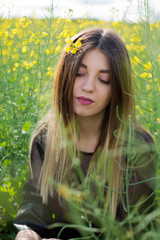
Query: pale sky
point(100, 9)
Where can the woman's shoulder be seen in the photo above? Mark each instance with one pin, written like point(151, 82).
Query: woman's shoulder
point(146, 157)
point(145, 147)
point(39, 137)
point(143, 135)
point(40, 133)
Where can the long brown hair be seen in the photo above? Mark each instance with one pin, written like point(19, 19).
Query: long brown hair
point(62, 128)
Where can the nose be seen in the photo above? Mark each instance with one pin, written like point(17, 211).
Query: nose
point(88, 85)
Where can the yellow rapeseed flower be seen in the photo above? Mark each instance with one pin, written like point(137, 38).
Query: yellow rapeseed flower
point(58, 49)
point(37, 41)
point(150, 76)
point(68, 20)
point(31, 39)
point(158, 120)
point(30, 64)
point(25, 25)
point(60, 41)
point(144, 75)
point(68, 40)
point(148, 65)
point(74, 50)
point(67, 49)
point(4, 52)
point(14, 31)
point(32, 53)
point(24, 42)
point(64, 33)
point(17, 25)
point(137, 59)
point(35, 90)
point(9, 43)
point(26, 64)
point(24, 49)
point(44, 34)
point(49, 73)
point(73, 47)
point(16, 64)
point(25, 21)
point(47, 51)
point(78, 44)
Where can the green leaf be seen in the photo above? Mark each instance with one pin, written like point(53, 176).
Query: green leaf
point(7, 205)
point(3, 144)
point(26, 126)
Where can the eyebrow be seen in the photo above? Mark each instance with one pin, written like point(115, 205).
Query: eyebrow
point(101, 71)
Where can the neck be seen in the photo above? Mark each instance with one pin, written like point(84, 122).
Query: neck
point(89, 132)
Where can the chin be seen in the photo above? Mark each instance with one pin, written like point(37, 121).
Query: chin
point(82, 114)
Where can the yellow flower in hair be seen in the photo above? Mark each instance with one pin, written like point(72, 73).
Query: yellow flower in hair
point(78, 44)
point(73, 47)
point(67, 49)
point(74, 50)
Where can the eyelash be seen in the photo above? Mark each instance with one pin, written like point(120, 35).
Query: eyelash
point(101, 80)
point(80, 74)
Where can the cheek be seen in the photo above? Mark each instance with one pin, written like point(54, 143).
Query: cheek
point(106, 96)
point(76, 87)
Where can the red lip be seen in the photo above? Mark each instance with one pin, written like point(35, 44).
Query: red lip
point(84, 101)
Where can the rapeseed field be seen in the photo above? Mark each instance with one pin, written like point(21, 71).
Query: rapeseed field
point(29, 52)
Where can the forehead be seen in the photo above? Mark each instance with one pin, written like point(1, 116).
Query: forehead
point(95, 58)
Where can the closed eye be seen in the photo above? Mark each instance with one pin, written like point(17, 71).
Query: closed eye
point(80, 74)
point(104, 81)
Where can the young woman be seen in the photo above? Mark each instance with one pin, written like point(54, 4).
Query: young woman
point(89, 152)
